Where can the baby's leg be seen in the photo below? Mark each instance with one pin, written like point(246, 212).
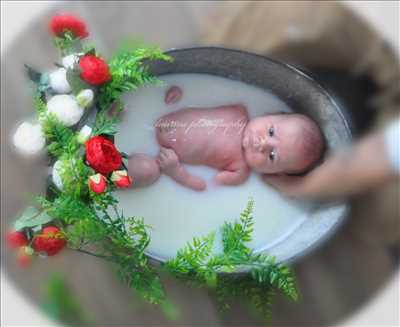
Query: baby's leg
point(170, 165)
point(143, 169)
point(233, 177)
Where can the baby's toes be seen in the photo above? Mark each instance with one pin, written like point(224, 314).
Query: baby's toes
point(173, 95)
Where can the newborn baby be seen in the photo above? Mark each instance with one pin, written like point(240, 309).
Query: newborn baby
point(225, 139)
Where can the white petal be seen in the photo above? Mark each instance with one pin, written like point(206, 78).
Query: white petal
point(70, 60)
point(58, 81)
point(84, 134)
point(65, 108)
point(29, 138)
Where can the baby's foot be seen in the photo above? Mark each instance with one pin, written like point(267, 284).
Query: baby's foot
point(170, 165)
point(143, 169)
point(173, 95)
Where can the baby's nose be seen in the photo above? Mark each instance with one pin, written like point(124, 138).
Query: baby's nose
point(263, 145)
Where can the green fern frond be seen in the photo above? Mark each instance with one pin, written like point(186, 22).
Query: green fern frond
point(128, 72)
point(236, 235)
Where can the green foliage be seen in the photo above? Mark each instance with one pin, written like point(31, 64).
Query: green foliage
point(118, 239)
point(93, 224)
point(67, 43)
point(41, 80)
point(75, 81)
point(75, 174)
point(277, 275)
point(61, 139)
point(107, 122)
point(40, 106)
point(128, 72)
point(258, 296)
point(31, 217)
point(196, 263)
point(190, 262)
point(61, 304)
point(67, 208)
point(236, 235)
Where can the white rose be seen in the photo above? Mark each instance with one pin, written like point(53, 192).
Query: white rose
point(85, 98)
point(84, 134)
point(56, 174)
point(29, 138)
point(58, 81)
point(65, 108)
point(70, 60)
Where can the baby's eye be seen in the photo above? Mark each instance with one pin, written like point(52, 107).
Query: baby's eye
point(271, 131)
point(271, 155)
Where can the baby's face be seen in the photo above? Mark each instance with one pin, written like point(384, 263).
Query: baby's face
point(278, 143)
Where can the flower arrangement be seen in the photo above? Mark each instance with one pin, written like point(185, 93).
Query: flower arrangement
point(80, 212)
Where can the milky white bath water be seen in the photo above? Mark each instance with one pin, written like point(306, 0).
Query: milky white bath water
point(176, 213)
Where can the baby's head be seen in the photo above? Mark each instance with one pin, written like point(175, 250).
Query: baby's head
point(282, 143)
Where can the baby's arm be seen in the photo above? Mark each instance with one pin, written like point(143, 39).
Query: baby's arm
point(170, 165)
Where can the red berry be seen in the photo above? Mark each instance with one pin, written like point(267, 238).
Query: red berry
point(94, 70)
point(51, 241)
point(59, 24)
point(24, 260)
point(16, 239)
point(97, 183)
point(24, 257)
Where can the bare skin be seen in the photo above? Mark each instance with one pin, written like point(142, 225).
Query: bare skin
point(203, 136)
point(223, 138)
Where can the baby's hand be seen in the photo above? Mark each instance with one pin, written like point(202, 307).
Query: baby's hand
point(167, 160)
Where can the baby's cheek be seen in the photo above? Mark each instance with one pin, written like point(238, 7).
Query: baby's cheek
point(255, 161)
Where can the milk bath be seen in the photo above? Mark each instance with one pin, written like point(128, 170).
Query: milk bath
point(176, 214)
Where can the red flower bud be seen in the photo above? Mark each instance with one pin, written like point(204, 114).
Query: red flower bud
point(102, 155)
point(59, 24)
point(94, 70)
point(50, 241)
point(121, 178)
point(24, 256)
point(16, 239)
point(97, 183)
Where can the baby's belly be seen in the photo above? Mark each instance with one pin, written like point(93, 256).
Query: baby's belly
point(206, 136)
point(196, 148)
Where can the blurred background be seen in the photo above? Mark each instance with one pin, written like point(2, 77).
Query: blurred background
point(351, 47)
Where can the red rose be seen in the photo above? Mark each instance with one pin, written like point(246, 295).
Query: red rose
point(59, 24)
point(121, 179)
point(97, 183)
point(51, 241)
point(102, 155)
point(94, 70)
point(16, 239)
